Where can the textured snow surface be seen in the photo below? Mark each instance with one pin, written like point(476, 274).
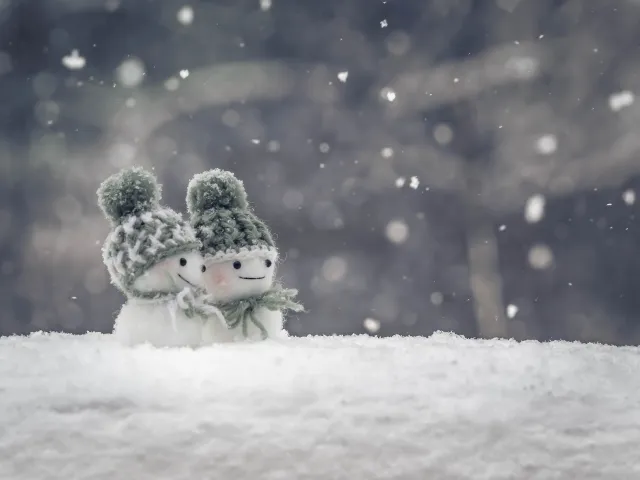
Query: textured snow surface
point(442, 407)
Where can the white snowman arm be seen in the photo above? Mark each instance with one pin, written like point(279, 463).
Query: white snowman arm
point(204, 304)
point(208, 303)
point(185, 298)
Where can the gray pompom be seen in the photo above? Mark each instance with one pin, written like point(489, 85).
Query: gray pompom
point(215, 189)
point(131, 191)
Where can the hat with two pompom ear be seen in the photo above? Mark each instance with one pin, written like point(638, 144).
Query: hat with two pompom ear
point(223, 221)
point(142, 231)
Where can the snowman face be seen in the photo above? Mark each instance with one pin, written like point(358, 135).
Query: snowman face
point(173, 274)
point(241, 278)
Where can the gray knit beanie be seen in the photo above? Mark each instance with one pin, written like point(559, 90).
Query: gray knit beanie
point(142, 232)
point(223, 220)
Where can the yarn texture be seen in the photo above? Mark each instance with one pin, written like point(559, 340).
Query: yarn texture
point(143, 232)
point(243, 311)
point(193, 303)
point(129, 192)
point(223, 221)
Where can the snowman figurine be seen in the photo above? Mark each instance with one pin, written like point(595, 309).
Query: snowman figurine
point(240, 258)
point(154, 258)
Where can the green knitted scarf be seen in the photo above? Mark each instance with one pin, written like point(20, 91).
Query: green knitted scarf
point(193, 302)
point(243, 311)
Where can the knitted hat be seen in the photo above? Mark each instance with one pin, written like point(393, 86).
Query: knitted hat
point(142, 232)
point(223, 220)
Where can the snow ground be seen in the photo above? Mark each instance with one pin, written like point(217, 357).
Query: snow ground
point(443, 407)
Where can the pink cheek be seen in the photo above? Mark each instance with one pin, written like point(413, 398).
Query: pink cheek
point(218, 278)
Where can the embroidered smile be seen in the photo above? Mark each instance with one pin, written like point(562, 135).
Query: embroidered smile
point(184, 279)
point(252, 278)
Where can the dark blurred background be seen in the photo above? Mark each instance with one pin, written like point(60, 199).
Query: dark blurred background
point(458, 165)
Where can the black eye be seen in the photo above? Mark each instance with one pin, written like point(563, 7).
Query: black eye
point(237, 265)
point(203, 268)
point(183, 262)
point(267, 263)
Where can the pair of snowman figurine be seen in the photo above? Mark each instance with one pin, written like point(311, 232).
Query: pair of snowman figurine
point(191, 284)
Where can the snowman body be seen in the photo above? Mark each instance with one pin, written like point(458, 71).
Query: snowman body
point(162, 322)
point(156, 324)
point(271, 320)
point(241, 277)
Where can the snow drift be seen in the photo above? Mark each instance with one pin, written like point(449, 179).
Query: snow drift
point(357, 407)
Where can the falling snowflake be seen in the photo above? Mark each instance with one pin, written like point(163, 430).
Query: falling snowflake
point(185, 15)
point(388, 94)
point(384, 23)
point(436, 298)
point(172, 84)
point(400, 181)
point(397, 231)
point(386, 152)
point(620, 100)
point(534, 209)
point(334, 269)
point(184, 74)
point(443, 134)
point(547, 144)
point(629, 197)
point(131, 72)
point(342, 76)
point(512, 310)
point(74, 61)
point(414, 183)
point(540, 257)
point(371, 325)
point(265, 5)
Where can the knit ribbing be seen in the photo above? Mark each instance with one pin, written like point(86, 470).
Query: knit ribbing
point(143, 233)
point(222, 218)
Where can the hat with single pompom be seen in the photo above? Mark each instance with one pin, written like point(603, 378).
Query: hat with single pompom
point(142, 231)
point(223, 221)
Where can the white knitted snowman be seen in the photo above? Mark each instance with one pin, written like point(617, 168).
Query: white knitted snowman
point(153, 257)
point(240, 257)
